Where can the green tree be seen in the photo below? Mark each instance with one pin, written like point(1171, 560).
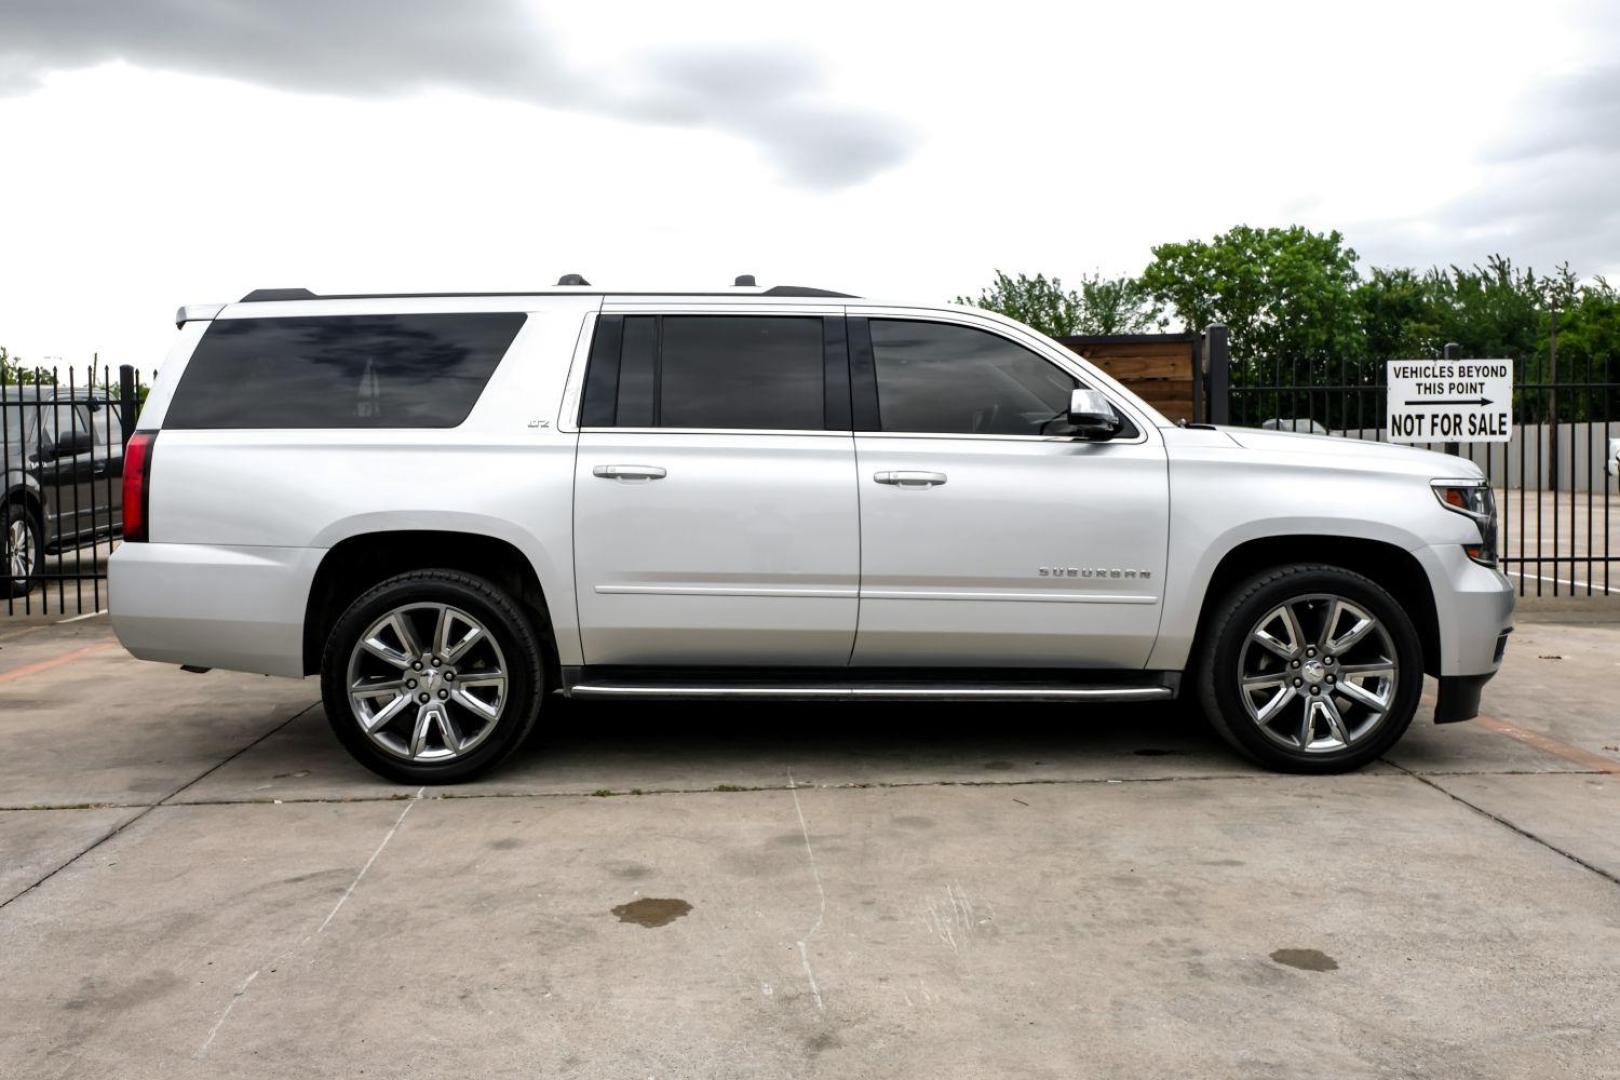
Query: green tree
point(1399, 316)
point(1284, 295)
point(1101, 306)
point(1586, 323)
point(1493, 310)
point(1038, 301)
point(13, 370)
point(1119, 305)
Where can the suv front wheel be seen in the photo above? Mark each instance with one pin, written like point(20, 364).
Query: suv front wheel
point(432, 677)
point(22, 549)
point(1311, 669)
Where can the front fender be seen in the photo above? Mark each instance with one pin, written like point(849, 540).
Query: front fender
point(1222, 497)
point(1193, 564)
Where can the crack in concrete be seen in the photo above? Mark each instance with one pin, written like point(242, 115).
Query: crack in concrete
point(733, 789)
point(241, 991)
point(1606, 875)
point(821, 912)
point(153, 806)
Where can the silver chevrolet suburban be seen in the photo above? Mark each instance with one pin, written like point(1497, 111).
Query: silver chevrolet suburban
point(452, 507)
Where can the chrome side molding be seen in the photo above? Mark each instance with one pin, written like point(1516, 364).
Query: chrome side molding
point(892, 693)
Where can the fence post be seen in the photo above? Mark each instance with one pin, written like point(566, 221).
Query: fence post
point(1449, 352)
point(126, 400)
point(1218, 375)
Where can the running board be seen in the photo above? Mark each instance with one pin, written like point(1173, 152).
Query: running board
point(846, 685)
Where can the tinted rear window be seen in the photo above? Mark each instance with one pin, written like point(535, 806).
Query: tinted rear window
point(347, 371)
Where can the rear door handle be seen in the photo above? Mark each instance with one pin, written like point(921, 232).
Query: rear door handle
point(630, 472)
point(909, 478)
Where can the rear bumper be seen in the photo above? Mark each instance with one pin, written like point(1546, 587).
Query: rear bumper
point(238, 608)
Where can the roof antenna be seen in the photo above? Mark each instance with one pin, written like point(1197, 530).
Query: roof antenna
point(745, 280)
point(572, 279)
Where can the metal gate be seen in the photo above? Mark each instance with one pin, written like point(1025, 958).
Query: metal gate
point(1555, 480)
point(62, 436)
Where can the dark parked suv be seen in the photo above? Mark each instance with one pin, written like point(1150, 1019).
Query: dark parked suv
point(62, 459)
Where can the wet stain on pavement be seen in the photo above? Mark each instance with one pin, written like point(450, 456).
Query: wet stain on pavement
point(914, 821)
point(650, 911)
point(506, 843)
point(1306, 959)
point(821, 1042)
point(97, 994)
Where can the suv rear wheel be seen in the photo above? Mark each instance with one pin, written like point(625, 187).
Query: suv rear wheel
point(1311, 669)
point(432, 677)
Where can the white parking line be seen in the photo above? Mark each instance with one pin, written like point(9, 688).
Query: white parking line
point(1596, 588)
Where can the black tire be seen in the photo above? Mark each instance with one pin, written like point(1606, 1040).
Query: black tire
point(1217, 677)
point(17, 513)
point(513, 633)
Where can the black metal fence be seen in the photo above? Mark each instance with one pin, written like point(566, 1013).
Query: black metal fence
point(62, 436)
point(1555, 478)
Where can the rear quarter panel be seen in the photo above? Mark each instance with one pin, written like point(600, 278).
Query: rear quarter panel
point(505, 472)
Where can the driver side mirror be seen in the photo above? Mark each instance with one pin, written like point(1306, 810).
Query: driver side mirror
point(68, 444)
point(1092, 416)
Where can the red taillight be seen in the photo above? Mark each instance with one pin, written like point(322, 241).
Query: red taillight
point(137, 484)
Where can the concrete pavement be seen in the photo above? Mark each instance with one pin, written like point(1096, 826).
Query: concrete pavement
point(197, 882)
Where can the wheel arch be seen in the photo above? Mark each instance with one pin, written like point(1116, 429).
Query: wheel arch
point(20, 491)
point(356, 563)
point(1389, 565)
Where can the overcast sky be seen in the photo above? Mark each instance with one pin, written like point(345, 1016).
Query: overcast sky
point(158, 152)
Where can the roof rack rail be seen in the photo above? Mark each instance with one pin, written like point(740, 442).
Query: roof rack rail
point(567, 281)
point(805, 290)
point(278, 294)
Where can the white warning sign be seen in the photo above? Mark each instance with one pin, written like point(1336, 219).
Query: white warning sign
point(1450, 400)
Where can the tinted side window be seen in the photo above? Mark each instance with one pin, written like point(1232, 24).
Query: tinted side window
point(744, 372)
point(935, 377)
point(347, 371)
point(52, 419)
point(108, 428)
point(722, 372)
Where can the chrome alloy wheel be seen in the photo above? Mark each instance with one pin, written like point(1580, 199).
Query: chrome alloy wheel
point(20, 556)
point(1318, 674)
point(427, 682)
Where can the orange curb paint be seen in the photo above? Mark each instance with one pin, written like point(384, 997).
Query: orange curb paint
point(1548, 744)
point(56, 661)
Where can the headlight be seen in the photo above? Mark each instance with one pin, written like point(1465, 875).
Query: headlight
point(1472, 499)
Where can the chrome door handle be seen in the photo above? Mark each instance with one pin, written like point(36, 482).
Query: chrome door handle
point(630, 472)
point(909, 478)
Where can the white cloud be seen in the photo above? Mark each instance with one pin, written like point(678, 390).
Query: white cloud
point(679, 145)
point(769, 93)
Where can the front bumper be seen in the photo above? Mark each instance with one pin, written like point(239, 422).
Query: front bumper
point(1459, 697)
point(1473, 608)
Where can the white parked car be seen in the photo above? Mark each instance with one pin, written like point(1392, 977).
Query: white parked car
point(452, 507)
point(1298, 424)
